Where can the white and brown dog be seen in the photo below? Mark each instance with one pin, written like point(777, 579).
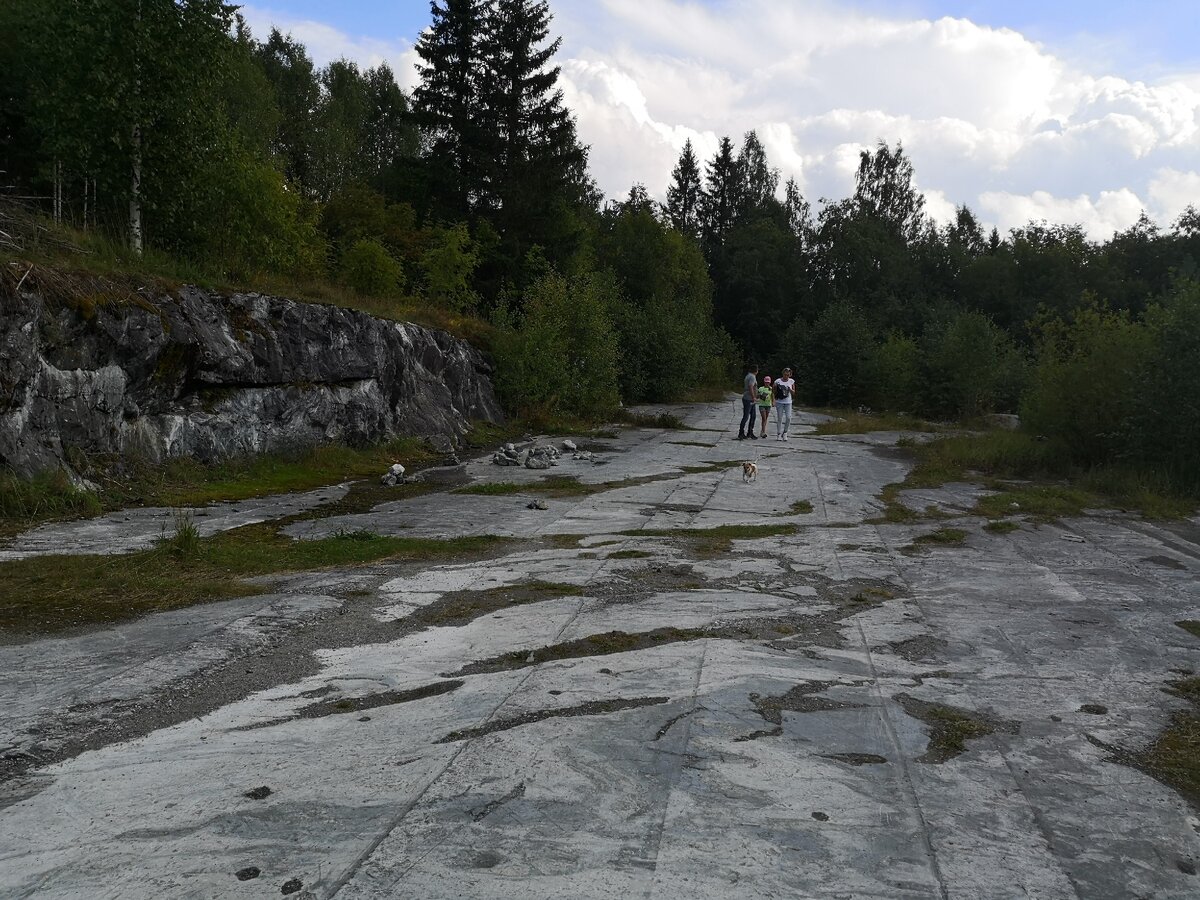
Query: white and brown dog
point(749, 471)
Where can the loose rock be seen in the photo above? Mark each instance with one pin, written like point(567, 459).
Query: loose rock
point(537, 504)
point(570, 446)
point(248, 874)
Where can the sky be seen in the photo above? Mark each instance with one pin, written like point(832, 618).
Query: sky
point(1070, 111)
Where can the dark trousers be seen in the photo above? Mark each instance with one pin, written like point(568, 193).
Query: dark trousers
point(747, 417)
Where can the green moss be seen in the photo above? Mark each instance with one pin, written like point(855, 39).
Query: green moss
point(630, 554)
point(944, 537)
point(1044, 503)
point(1174, 757)
point(1191, 626)
point(801, 507)
point(864, 423)
point(43, 594)
point(1002, 526)
point(950, 727)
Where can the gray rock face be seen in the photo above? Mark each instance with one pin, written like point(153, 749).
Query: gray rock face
point(208, 376)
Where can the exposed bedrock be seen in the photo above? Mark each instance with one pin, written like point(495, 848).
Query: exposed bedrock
point(209, 376)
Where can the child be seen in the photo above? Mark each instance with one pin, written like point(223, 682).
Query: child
point(766, 400)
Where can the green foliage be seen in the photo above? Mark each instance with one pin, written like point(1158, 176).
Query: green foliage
point(894, 374)
point(560, 356)
point(1165, 422)
point(1082, 391)
point(833, 356)
point(970, 367)
point(448, 265)
point(369, 269)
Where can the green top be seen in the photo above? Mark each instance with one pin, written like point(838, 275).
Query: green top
point(764, 396)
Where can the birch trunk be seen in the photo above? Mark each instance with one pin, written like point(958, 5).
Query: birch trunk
point(135, 192)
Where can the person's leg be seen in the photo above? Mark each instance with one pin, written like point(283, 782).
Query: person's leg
point(779, 407)
point(785, 419)
point(765, 411)
point(747, 418)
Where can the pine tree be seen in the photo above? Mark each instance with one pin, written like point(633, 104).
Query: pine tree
point(447, 101)
point(720, 198)
point(685, 193)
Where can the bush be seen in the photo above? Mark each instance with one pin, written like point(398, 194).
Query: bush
point(1082, 394)
point(369, 269)
point(894, 374)
point(832, 356)
point(448, 265)
point(559, 356)
point(970, 367)
point(1164, 418)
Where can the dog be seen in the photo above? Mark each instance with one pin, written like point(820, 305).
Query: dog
point(749, 471)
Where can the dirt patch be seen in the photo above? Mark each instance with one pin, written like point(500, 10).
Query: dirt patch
point(591, 708)
point(951, 727)
point(348, 705)
point(856, 759)
point(801, 699)
point(463, 607)
point(918, 649)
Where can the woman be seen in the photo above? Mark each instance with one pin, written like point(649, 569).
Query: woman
point(765, 402)
point(784, 390)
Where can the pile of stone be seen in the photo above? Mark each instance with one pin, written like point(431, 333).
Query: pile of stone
point(508, 455)
point(542, 457)
point(393, 476)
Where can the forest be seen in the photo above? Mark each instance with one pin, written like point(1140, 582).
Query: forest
point(165, 131)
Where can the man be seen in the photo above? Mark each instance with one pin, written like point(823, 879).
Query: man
point(749, 398)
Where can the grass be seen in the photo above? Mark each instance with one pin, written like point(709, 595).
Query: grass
point(801, 507)
point(849, 422)
point(945, 537)
point(1191, 626)
point(663, 420)
point(1174, 757)
point(55, 592)
point(630, 554)
point(45, 497)
point(997, 457)
point(717, 540)
point(692, 444)
point(1002, 526)
point(553, 486)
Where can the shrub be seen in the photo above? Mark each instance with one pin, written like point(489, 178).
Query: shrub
point(368, 268)
point(894, 374)
point(833, 356)
point(1164, 419)
point(1082, 393)
point(448, 265)
point(559, 355)
point(970, 366)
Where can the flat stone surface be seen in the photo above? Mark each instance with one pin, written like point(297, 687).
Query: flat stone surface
point(136, 529)
point(674, 719)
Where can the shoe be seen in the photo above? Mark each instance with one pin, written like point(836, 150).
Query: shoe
point(785, 435)
point(741, 437)
point(752, 436)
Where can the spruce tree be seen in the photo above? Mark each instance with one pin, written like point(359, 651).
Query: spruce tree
point(757, 181)
point(685, 193)
point(720, 198)
point(447, 101)
point(536, 168)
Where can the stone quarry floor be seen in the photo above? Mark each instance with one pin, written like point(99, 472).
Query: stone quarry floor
point(617, 704)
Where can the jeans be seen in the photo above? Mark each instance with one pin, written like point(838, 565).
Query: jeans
point(783, 418)
point(748, 413)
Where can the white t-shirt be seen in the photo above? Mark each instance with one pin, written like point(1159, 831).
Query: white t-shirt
point(790, 385)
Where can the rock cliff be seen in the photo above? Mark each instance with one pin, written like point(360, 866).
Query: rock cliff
point(200, 374)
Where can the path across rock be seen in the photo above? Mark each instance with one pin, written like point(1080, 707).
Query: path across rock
point(623, 703)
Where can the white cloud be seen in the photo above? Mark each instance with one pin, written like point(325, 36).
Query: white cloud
point(989, 117)
point(1172, 192)
point(1109, 212)
point(326, 43)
